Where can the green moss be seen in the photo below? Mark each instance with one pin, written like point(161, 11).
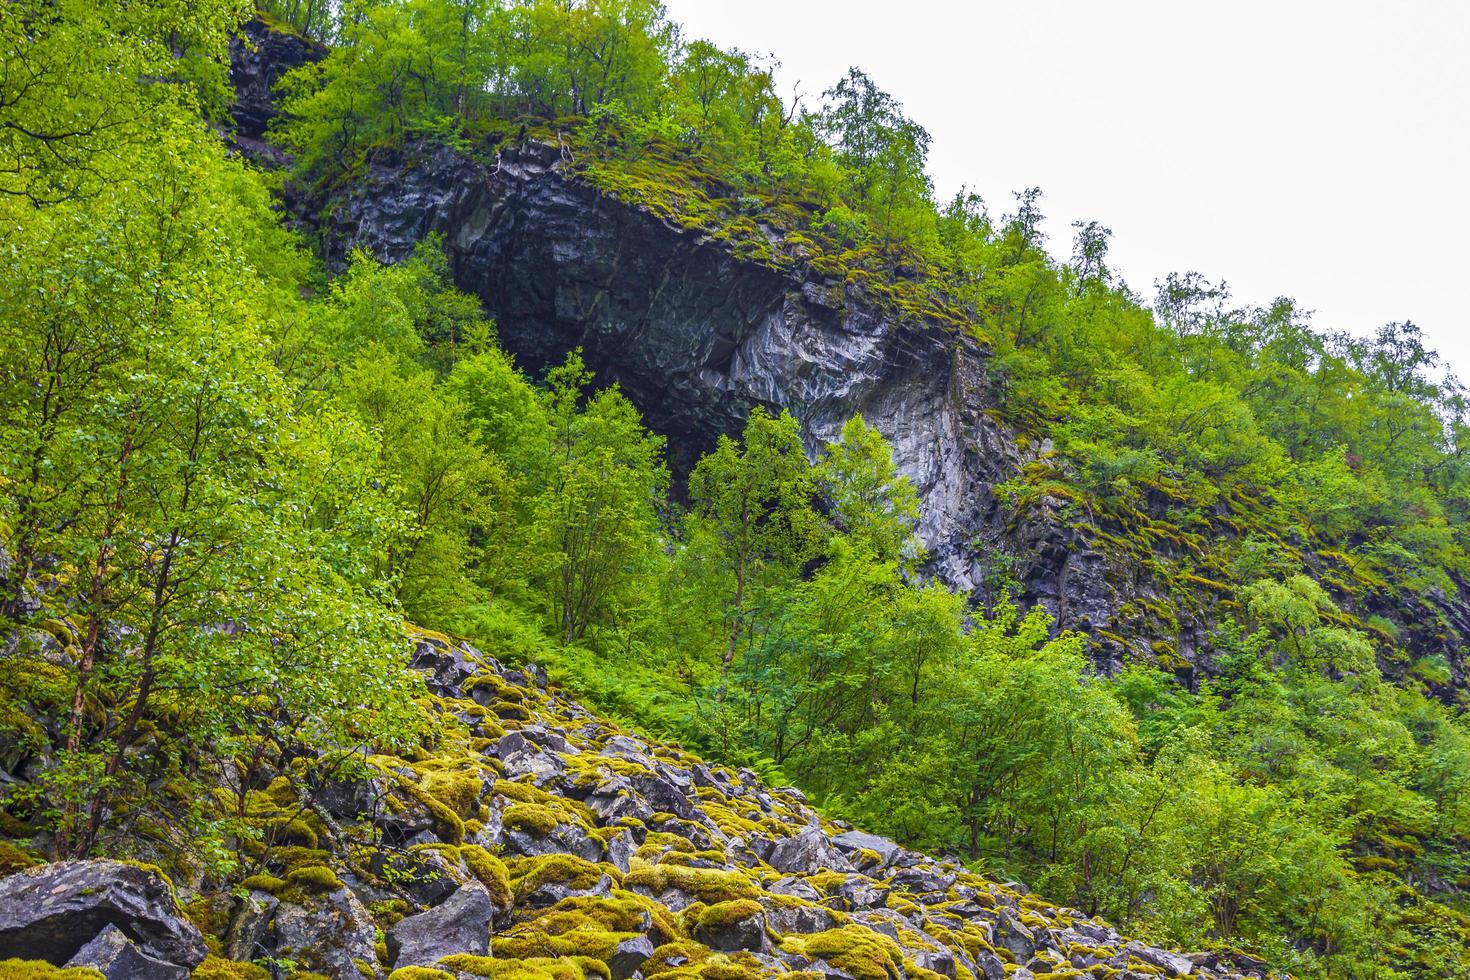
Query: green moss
point(448, 825)
point(292, 857)
point(593, 943)
point(723, 914)
point(865, 954)
point(529, 874)
point(419, 973)
point(490, 871)
point(38, 970)
point(314, 879)
point(13, 859)
point(457, 790)
point(290, 830)
point(264, 883)
point(709, 885)
point(622, 912)
point(218, 968)
point(535, 819)
point(538, 968)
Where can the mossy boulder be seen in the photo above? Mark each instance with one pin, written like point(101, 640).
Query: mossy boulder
point(733, 925)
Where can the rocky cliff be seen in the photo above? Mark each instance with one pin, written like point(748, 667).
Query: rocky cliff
point(698, 337)
point(538, 841)
point(697, 333)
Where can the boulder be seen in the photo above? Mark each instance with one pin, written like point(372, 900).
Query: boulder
point(1014, 936)
point(1173, 964)
point(731, 926)
point(460, 925)
point(629, 956)
point(423, 877)
point(331, 933)
point(990, 965)
point(856, 840)
point(808, 852)
point(49, 912)
point(249, 934)
point(118, 958)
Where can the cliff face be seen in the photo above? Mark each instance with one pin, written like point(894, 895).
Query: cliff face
point(695, 336)
point(698, 336)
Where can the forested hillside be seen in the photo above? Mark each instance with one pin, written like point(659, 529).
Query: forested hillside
point(238, 452)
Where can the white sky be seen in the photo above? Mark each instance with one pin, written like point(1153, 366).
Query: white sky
point(1313, 148)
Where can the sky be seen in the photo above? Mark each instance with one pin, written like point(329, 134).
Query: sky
point(1318, 149)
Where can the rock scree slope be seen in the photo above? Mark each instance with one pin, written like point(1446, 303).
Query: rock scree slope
point(542, 841)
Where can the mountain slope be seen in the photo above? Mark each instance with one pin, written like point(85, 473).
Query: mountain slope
point(539, 840)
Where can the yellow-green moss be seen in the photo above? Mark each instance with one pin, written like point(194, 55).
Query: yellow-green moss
point(709, 885)
point(490, 871)
point(419, 973)
point(40, 970)
point(865, 954)
point(723, 914)
point(457, 789)
point(314, 879)
point(535, 819)
point(290, 830)
point(264, 883)
point(594, 943)
point(539, 968)
point(529, 874)
point(13, 859)
point(218, 968)
point(623, 911)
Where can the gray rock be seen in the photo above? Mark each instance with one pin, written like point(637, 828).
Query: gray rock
point(629, 956)
point(460, 925)
point(446, 667)
point(856, 840)
point(424, 877)
point(990, 965)
point(331, 934)
point(115, 955)
point(861, 892)
point(249, 935)
point(728, 936)
point(808, 852)
point(801, 919)
point(1010, 933)
point(1174, 964)
point(49, 912)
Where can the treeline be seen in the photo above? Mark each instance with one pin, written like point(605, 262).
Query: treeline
point(228, 477)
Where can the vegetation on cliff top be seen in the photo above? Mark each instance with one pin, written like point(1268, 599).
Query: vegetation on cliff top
point(225, 478)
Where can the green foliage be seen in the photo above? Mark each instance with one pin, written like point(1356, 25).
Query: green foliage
point(226, 479)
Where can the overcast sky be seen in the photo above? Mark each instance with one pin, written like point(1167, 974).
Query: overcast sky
point(1313, 148)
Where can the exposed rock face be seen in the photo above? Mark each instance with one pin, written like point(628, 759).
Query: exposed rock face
point(698, 337)
point(50, 912)
point(460, 925)
point(259, 56)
